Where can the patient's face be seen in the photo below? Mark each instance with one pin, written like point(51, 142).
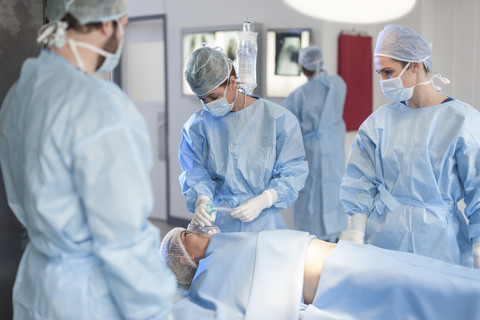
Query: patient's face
point(195, 244)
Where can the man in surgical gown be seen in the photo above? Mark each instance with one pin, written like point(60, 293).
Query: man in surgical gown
point(318, 106)
point(233, 159)
point(413, 160)
point(75, 156)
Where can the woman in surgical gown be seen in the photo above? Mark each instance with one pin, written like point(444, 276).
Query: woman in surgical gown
point(240, 152)
point(414, 159)
point(318, 106)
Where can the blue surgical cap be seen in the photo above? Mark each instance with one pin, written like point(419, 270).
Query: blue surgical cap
point(311, 58)
point(86, 11)
point(207, 68)
point(404, 44)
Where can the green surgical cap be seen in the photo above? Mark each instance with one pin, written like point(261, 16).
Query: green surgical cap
point(311, 58)
point(86, 11)
point(207, 68)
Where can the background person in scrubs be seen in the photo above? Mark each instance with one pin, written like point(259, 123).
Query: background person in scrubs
point(414, 159)
point(239, 151)
point(318, 106)
point(75, 156)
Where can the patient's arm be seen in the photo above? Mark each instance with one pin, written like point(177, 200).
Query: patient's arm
point(316, 253)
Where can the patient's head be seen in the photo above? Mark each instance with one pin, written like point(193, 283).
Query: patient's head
point(182, 251)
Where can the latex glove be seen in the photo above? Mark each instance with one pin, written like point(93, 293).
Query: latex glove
point(250, 209)
point(476, 252)
point(204, 212)
point(358, 226)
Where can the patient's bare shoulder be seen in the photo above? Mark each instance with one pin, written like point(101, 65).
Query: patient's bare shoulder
point(317, 251)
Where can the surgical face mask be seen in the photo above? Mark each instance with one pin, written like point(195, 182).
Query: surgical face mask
point(220, 107)
point(394, 89)
point(111, 59)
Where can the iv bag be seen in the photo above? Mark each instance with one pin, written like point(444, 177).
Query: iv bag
point(247, 58)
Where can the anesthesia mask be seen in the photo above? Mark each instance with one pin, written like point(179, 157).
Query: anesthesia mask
point(206, 230)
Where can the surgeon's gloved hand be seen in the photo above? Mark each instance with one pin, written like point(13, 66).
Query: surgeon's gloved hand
point(476, 252)
point(250, 209)
point(356, 234)
point(204, 212)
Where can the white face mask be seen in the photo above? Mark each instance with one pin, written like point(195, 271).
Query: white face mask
point(220, 107)
point(394, 89)
point(111, 59)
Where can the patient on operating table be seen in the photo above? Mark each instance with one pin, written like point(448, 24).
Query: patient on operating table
point(265, 275)
point(183, 249)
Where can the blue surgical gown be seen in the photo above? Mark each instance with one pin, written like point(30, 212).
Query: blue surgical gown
point(234, 158)
point(75, 156)
point(407, 171)
point(318, 106)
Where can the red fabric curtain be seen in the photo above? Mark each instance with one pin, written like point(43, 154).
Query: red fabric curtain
point(355, 67)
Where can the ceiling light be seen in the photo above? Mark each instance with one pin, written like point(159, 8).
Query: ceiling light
point(353, 11)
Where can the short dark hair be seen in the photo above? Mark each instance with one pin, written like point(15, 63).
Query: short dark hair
point(307, 72)
point(81, 28)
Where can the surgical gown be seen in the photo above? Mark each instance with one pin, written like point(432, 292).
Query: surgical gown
point(318, 106)
point(234, 158)
point(407, 171)
point(75, 155)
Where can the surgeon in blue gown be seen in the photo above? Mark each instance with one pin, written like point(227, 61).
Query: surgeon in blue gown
point(239, 152)
point(414, 159)
point(75, 156)
point(318, 106)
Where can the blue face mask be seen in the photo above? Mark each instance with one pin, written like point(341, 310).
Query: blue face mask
point(394, 89)
point(220, 107)
point(111, 59)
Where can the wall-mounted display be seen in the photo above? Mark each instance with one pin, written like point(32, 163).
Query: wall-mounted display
point(224, 37)
point(282, 69)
